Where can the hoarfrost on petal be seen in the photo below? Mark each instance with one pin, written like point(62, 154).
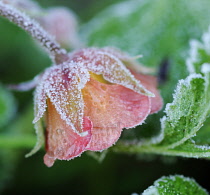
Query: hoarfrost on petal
point(62, 85)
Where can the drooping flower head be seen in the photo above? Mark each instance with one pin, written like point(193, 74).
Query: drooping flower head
point(89, 99)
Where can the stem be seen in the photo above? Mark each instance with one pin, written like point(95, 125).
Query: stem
point(135, 149)
point(35, 30)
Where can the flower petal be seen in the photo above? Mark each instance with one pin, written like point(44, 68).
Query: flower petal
point(61, 141)
point(150, 82)
point(63, 85)
point(112, 108)
point(113, 70)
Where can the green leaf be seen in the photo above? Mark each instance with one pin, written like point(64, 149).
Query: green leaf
point(7, 106)
point(186, 115)
point(174, 185)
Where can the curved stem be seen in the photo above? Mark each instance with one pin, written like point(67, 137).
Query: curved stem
point(35, 30)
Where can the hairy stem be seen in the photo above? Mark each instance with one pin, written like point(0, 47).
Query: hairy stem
point(35, 30)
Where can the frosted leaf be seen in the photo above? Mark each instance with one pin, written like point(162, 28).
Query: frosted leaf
point(174, 185)
point(62, 85)
point(108, 65)
point(187, 112)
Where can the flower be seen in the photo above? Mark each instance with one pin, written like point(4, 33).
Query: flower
point(89, 99)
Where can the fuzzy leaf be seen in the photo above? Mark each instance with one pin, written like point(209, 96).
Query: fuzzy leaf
point(174, 185)
point(185, 116)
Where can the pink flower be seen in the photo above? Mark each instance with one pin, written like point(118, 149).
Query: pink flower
point(89, 99)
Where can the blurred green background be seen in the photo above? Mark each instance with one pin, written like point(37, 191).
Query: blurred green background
point(167, 37)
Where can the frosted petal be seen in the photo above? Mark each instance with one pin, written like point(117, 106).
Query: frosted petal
point(112, 108)
point(61, 141)
point(62, 85)
point(113, 70)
